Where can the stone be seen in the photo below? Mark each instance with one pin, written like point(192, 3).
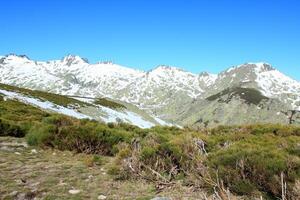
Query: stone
point(34, 151)
point(101, 197)
point(161, 198)
point(73, 191)
point(14, 193)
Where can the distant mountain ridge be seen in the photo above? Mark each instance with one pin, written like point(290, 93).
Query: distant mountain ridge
point(166, 92)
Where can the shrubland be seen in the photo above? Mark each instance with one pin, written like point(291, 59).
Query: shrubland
point(250, 160)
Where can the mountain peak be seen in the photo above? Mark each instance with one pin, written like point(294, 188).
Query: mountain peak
point(14, 59)
point(73, 59)
point(206, 74)
point(12, 55)
point(261, 66)
point(255, 67)
point(167, 68)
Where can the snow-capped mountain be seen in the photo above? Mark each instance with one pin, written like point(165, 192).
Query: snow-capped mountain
point(262, 76)
point(73, 75)
point(166, 92)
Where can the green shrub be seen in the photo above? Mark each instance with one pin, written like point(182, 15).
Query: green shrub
point(9, 128)
point(41, 135)
point(148, 152)
point(93, 160)
point(108, 103)
point(66, 133)
point(248, 159)
point(98, 160)
point(258, 160)
point(243, 187)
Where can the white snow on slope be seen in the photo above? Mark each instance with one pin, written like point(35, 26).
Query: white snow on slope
point(269, 81)
point(44, 104)
point(277, 85)
point(74, 76)
point(148, 90)
point(126, 116)
point(161, 122)
point(208, 79)
point(111, 115)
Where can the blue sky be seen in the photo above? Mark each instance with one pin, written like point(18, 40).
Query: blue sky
point(196, 35)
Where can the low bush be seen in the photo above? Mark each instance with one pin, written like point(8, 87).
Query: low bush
point(93, 160)
point(9, 128)
point(247, 159)
point(41, 134)
point(84, 136)
point(258, 161)
point(107, 103)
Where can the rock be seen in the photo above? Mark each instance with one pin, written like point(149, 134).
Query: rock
point(34, 184)
point(14, 193)
point(34, 151)
point(25, 196)
point(101, 197)
point(74, 191)
point(19, 182)
point(5, 148)
point(20, 196)
point(18, 153)
point(30, 195)
point(161, 198)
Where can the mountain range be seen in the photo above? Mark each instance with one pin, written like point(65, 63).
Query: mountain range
point(243, 94)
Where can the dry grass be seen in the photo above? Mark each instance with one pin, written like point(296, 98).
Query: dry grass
point(50, 174)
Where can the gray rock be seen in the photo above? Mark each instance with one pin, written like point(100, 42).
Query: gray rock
point(161, 198)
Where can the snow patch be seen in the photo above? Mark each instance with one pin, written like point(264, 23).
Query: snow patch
point(126, 116)
point(44, 104)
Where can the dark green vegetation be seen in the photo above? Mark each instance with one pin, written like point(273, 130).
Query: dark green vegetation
point(249, 95)
point(108, 103)
point(16, 118)
point(61, 100)
point(249, 160)
point(54, 98)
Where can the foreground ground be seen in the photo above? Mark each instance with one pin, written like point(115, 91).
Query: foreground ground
point(33, 173)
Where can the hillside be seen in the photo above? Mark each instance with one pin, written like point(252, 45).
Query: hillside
point(53, 174)
point(236, 106)
point(100, 109)
point(73, 158)
point(167, 93)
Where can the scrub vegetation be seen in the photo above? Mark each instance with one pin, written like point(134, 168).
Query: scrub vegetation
point(249, 161)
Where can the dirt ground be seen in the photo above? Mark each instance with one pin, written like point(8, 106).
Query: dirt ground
point(34, 173)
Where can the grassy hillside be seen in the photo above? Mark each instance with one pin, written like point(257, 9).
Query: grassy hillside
point(249, 95)
point(109, 104)
point(54, 98)
point(249, 160)
point(92, 107)
point(16, 118)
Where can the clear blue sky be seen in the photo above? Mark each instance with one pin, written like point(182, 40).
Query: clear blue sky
point(196, 35)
